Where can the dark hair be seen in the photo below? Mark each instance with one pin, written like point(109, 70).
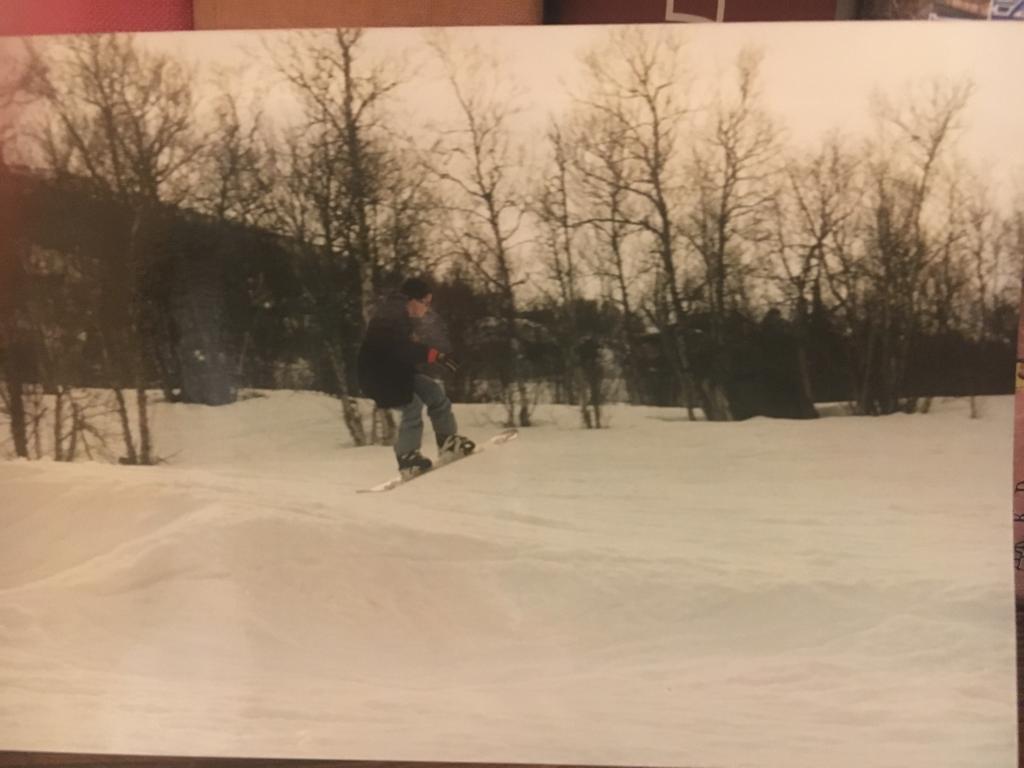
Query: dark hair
point(415, 288)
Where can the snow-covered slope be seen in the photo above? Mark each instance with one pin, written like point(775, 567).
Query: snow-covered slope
point(766, 593)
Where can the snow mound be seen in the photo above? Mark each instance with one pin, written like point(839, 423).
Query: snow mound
point(663, 592)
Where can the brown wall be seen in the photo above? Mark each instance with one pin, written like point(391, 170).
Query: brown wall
point(275, 14)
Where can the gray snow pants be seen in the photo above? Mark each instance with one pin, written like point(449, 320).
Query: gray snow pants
point(428, 392)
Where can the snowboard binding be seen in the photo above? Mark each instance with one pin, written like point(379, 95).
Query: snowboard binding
point(413, 463)
point(454, 447)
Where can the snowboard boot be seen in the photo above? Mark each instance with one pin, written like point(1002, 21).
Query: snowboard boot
point(451, 447)
point(413, 463)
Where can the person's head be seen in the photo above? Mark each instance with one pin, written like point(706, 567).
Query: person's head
point(418, 295)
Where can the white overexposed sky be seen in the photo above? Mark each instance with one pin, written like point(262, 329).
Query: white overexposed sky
point(815, 77)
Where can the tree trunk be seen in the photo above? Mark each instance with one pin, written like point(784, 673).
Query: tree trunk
point(349, 405)
point(76, 424)
point(145, 437)
point(518, 381)
point(16, 406)
point(131, 457)
point(570, 393)
point(384, 429)
point(114, 375)
point(808, 410)
point(135, 343)
point(863, 374)
point(243, 353)
point(807, 407)
point(164, 370)
point(58, 424)
point(627, 342)
point(510, 407)
point(703, 388)
point(38, 413)
point(683, 370)
point(595, 380)
point(524, 405)
point(585, 417)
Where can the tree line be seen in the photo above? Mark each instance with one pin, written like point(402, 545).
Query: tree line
point(647, 245)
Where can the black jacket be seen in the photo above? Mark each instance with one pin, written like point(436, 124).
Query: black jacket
point(389, 355)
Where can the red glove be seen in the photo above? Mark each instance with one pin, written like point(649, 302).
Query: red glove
point(449, 362)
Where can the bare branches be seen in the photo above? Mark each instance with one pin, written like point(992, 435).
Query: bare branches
point(477, 162)
point(232, 175)
point(341, 90)
point(816, 204)
point(119, 115)
point(689, 219)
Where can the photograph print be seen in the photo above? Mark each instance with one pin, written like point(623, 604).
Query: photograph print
point(580, 395)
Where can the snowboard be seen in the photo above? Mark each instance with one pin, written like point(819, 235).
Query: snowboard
point(499, 439)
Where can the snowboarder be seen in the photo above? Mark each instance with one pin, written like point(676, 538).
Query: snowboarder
point(392, 364)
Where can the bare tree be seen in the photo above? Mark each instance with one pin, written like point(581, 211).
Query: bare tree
point(39, 350)
point(878, 277)
point(230, 185)
point(231, 179)
point(343, 97)
point(607, 211)
point(404, 214)
point(119, 117)
point(13, 345)
point(637, 85)
point(1014, 232)
point(815, 207)
point(308, 211)
point(967, 279)
point(476, 160)
point(561, 228)
point(734, 171)
point(363, 212)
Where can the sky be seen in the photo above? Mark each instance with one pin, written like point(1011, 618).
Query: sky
point(815, 77)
